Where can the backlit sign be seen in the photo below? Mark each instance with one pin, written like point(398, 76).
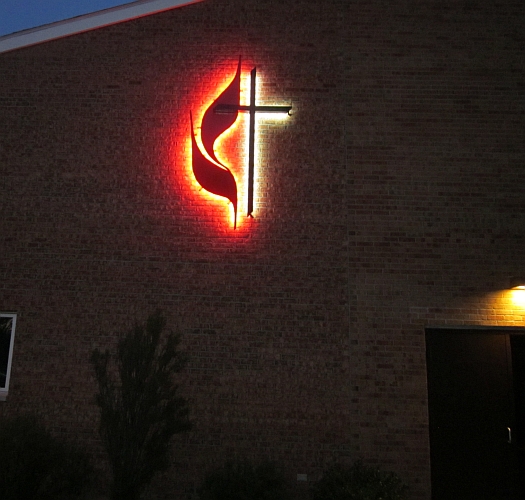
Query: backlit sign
point(212, 173)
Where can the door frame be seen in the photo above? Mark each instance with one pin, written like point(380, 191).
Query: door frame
point(508, 331)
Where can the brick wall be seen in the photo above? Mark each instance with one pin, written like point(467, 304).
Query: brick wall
point(391, 200)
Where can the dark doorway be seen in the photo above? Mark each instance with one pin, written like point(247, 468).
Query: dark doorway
point(476, 387)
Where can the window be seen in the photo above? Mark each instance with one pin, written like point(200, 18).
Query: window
point(7, 336)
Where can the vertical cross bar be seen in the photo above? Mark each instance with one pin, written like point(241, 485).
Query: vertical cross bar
point(251, 108)
point(251, 142)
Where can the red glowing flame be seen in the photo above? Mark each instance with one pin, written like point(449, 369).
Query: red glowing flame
point(210, 173)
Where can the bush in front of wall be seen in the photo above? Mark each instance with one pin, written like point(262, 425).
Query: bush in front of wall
point(140, 406)
point(359, 482)
point(37, 466)
point(242, 480)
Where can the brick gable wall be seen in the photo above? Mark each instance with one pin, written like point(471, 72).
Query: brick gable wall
point(391, 200)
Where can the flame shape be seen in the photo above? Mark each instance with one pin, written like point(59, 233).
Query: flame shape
point(213, 175)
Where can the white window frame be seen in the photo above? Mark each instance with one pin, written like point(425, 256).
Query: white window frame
point(4, 390)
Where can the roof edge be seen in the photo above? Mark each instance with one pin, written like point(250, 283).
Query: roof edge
point(88, 22)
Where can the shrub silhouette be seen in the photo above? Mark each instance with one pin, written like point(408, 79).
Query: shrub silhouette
point(359, 482)
point(139, 407)
point(241, 480)
point(37, 466)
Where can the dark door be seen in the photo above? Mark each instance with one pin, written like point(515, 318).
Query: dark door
point(472, 416)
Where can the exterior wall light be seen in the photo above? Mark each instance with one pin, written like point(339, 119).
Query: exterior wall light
point(517, 283)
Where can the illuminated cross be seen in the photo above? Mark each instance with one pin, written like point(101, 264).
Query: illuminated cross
point(252, 108)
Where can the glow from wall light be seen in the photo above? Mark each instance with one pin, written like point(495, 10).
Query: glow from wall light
point(517, 297)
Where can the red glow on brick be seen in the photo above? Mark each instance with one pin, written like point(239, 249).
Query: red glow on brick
point(229, 150)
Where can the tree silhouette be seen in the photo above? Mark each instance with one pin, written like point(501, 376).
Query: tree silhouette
point(140, 409)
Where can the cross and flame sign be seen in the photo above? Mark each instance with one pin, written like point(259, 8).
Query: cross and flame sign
point(209, 172)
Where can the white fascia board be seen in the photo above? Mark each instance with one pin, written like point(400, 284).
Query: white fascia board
point(88, 22)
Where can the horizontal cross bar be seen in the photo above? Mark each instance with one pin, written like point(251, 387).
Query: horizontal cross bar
point(231, 108)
